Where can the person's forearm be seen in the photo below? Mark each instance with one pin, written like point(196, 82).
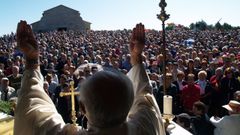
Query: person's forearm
point(136, 59)
point(32, 64)
point(140, 79)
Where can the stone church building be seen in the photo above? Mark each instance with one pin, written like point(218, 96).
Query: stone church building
point(61, 18)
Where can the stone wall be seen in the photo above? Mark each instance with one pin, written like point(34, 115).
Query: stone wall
point(61, 17)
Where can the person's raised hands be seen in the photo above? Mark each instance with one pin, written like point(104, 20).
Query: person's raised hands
point(137, 43)
point(27, 43)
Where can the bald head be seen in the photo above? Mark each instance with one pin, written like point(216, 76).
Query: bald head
point(107, 98)
point(15, 70)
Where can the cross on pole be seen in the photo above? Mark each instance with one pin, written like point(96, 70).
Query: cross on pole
point(163, 16)
point(72, 94)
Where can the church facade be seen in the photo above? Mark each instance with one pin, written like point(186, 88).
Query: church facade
point(61, 18)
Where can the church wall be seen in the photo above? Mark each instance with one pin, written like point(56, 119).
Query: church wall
point(60, 18)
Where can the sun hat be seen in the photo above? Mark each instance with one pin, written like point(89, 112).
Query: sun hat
point(232, 106)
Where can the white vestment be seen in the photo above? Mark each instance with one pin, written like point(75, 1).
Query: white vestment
point(227, 125)
point(37, 115)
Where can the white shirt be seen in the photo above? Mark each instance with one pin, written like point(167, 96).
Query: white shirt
point(55, 78)
point(180, 85)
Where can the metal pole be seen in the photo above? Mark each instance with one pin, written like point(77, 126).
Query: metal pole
point(164, 58)
point(163, 17)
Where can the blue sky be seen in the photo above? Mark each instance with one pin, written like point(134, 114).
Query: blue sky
point(119, 14)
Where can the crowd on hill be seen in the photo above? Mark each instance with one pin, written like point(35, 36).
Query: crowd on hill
point(203, 68)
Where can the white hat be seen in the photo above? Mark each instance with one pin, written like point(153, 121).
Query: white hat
point(232, 106)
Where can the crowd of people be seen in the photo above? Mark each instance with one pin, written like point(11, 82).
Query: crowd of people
point(202, 76)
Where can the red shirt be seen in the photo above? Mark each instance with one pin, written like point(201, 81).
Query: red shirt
point(190, 94)
point(215, 83)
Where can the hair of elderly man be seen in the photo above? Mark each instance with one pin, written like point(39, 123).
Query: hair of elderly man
point(202, 72)
point(107, 97)
point(219, 69)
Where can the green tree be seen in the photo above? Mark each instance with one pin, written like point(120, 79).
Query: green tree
point(227, 26)
point(192, 26)
point(201, 25)
point(170, 26)
point(218, 26)
point(210, 27)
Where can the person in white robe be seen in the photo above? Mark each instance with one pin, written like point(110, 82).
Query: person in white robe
point(229, 124)
point(36, 114)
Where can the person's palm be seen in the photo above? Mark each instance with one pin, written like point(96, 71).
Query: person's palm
point(137, 44)
point(26, 41)
point(137, 40)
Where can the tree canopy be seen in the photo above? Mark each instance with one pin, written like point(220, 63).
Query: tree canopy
point(202, 25)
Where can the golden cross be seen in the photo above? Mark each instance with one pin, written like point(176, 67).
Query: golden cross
point(72, 94)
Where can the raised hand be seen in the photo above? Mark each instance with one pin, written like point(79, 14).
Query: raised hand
point(137, 43)
point(27, 43)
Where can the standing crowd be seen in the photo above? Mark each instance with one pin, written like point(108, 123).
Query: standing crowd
point(203, 76)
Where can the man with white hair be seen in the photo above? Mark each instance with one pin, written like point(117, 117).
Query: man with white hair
point(15, 78)
point(215, 81)
point(7, 92)
point(112, 102)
